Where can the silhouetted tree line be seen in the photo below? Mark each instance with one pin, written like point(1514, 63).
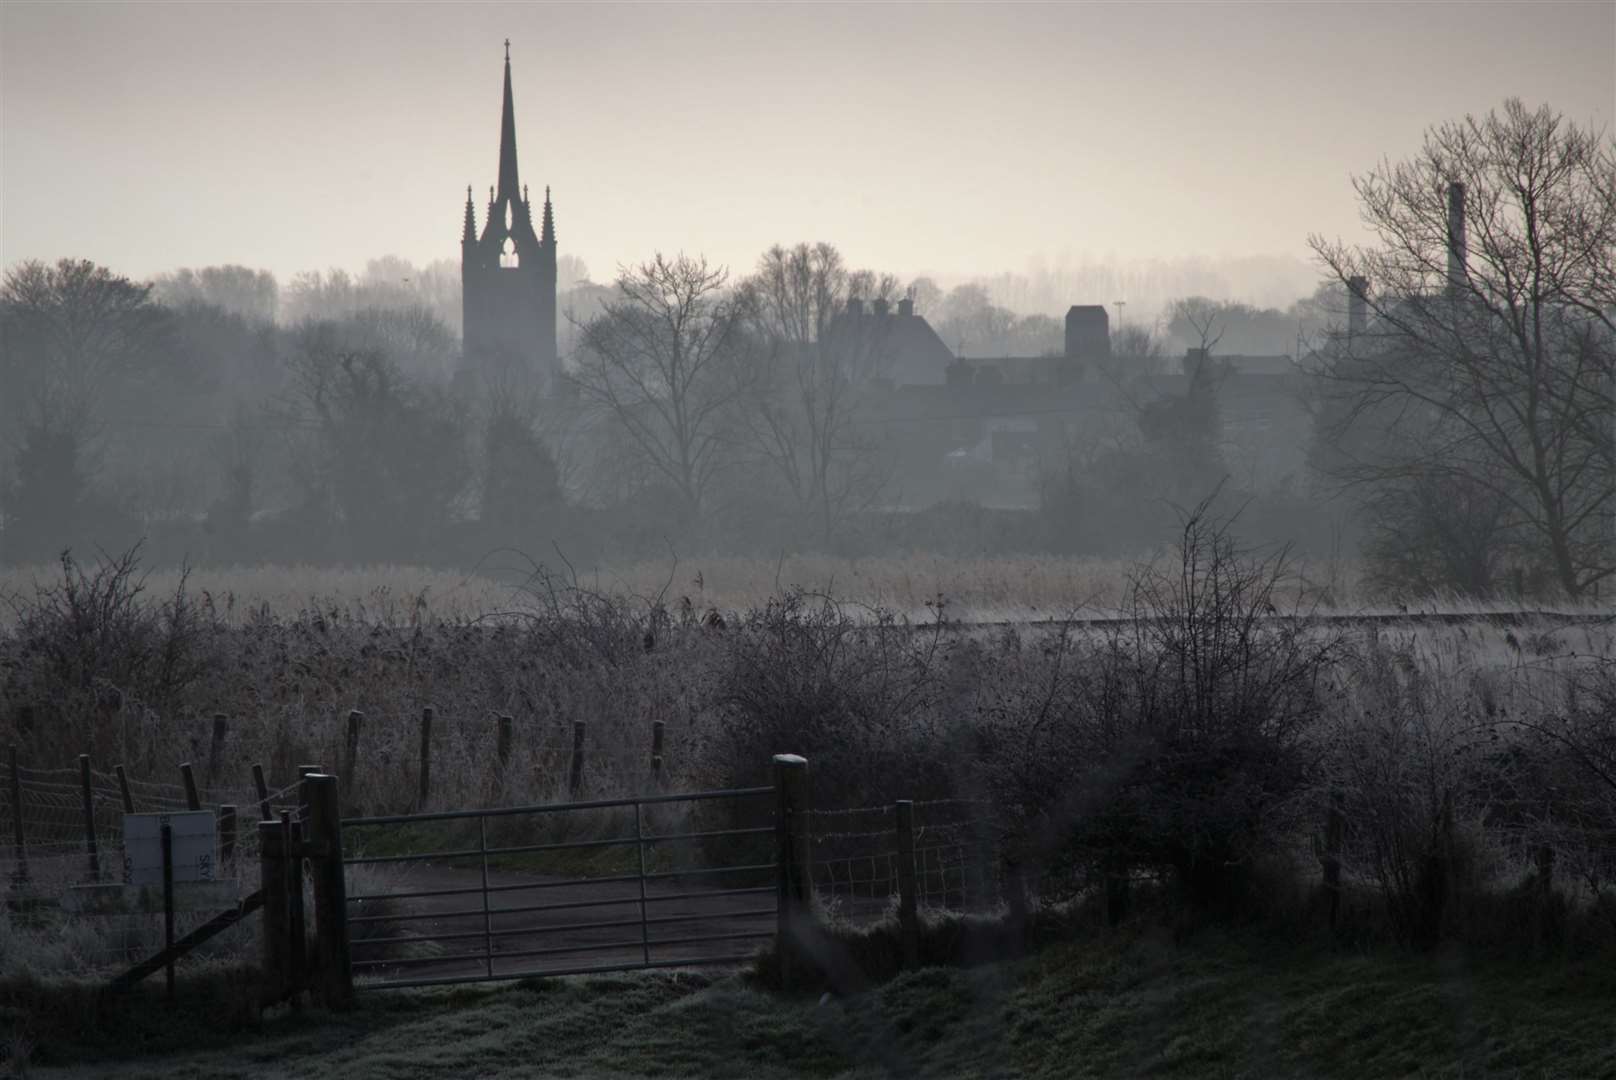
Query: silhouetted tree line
point(1466, 426)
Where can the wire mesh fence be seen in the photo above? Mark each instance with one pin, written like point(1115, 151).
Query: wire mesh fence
point(70, 907)
point(858, 851)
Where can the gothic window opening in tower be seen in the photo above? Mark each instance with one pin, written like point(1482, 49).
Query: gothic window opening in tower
point(508, 272)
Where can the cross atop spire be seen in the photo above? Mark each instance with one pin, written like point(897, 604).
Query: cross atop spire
point(509, 187)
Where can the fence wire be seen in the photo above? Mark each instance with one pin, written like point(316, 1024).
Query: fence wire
point(855, 860)
point(66, 911)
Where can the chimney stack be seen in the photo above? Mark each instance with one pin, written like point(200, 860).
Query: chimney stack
point(906, 307)
point(1458, 250)
point(855, 306)
point(880, 308)
point(1357, 305)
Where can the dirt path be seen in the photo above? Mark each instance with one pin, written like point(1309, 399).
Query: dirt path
point(584, 924)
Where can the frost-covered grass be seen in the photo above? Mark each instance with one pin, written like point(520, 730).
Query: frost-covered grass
point(1128, 1003)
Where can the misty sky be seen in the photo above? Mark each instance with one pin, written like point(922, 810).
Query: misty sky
point(950, 139)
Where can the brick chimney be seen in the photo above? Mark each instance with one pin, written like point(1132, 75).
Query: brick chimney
point(1357, 305)
point(1458, 249)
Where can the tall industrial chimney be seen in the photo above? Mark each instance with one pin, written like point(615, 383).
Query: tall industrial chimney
point(1458, 250)
point(1357, 305)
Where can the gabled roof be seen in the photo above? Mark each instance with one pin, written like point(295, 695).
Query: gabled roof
point(899, 347)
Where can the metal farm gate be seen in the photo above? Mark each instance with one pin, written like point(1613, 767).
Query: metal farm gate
point(605, 885)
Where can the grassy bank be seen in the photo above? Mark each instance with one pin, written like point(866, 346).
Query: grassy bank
point(1222, 1003)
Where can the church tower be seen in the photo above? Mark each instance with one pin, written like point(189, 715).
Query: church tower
point(508, 275)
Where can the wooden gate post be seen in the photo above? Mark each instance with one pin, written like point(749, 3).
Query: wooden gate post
point(330, 894)
point(908, 914)
point(302, 789)
point(794, 857)
point(297, 945)
point(277, 922)
point(89, 817)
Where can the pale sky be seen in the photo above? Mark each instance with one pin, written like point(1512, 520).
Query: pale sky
point(954, 139)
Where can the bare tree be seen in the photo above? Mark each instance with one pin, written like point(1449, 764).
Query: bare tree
point(804, 415)
point(71, 331)
point(1488, 355)
point(665, 360)
point(240, 290)
point(75, 339)
point(379, 455)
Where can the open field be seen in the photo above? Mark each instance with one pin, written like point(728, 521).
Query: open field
point(1002, 589)
point(1220, 1003)
point(1027, 587)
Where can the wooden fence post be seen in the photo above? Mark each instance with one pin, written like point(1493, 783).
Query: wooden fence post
point(575, 776)
point(350, 765)
point(277, 924)
point(263, 793)
point(330, 894)
point(227, 834)
point(297, 949)
point(19, 841)
point(89, 817)
point(504, 744)
point(221, 725)
point(123, 789)
point(193, 801)
point(426, 757)
point(166, 839)
point(302, 791)
point(908, 912)
point(794, 856)
point(657, 727)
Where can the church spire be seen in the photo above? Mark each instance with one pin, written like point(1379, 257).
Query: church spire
point(509, 187)
point(547, 230)
point(469, 234)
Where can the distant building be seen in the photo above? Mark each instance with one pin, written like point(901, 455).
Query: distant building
point(986, 428)
point(899, 349)
point(508, 275)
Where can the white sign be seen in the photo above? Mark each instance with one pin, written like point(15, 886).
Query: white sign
point(194, 844)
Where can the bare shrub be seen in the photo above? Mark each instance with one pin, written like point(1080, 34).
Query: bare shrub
point(853, 688)
point(1173, 746)
point(91, 644)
